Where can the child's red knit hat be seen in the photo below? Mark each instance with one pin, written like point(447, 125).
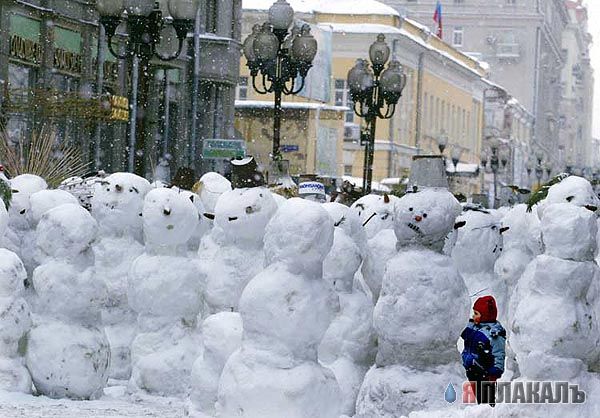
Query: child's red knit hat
point(486, 306)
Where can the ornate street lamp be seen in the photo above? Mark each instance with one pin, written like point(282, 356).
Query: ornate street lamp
point(484, 159)
point(144, 25)
point(548, 170)
point(278, 57)
point(374, 90)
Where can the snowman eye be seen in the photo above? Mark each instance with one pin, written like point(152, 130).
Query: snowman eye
point(410, 209)
point(424, 215)
point(249, 209)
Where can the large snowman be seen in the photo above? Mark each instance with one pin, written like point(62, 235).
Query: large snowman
point(233, 252)
point(420, 312)
point(67, 352)
point(15, 318)
point(555, 327)
point(348, 347)
point(165, 290)
point(286, 310)
point(117, 205)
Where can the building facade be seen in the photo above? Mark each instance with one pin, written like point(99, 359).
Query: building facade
point(444, 91)
point(57, 49)
point(522, 41)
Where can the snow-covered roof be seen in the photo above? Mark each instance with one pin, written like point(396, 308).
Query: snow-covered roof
point(394, 181)
point(290, 105)
point(362, 28)
point(345, 7)
point(375, 186)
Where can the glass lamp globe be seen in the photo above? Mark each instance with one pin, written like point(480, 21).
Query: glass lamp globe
point(248, 46)
point(281, 15)
point(109, 8)
point(379, 52)
point(183, 9)
point(266, 44)
point(304, 47)
point(138, 7)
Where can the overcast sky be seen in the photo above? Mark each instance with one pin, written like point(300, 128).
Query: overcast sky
point(594, 29)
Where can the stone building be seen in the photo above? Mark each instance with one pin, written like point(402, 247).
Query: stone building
point(522, 41)
point(52, 48)
point(444, 91)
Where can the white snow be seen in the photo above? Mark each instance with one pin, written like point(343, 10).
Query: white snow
point(357, 7)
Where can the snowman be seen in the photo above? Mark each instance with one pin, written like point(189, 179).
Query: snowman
point(420, 312)
point(221, 337)
point(20, 234)
point(286, 310)
point(15, 318)
point(233, 252)
point(521, 242)
point(478, 246)
point(117, 205)
point(67, 352)
point(348, 347)
point(165, 290)
point(555, 328)
point(377, 218)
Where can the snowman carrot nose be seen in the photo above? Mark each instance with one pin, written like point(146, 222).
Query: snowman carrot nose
point(418, 218)
point(167, 211)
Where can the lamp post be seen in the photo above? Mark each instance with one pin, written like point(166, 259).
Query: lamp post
point(374, 89)
point(495, 164)
point(144, 25)
point(277, 57)
point(539, 169)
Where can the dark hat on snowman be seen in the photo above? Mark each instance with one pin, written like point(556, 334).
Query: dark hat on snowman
point(245, 173)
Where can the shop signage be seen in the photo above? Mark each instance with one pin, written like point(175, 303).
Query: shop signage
point(25, 49)
point(119, 108)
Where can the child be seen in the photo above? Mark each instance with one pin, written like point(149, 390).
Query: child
point(483, 355)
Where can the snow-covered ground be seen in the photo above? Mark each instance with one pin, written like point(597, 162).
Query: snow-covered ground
point(115, 403)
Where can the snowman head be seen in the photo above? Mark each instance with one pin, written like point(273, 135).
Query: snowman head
point(524, 230)
point(170, 218)
point(425, 218)
point(569, 232)
point(342, 262)
point(44, 200)
point(117, 203)
point(574, 190)
point(300, 235)
point(375, 212)
point(347, 219)
point(23, 186)
point(243, 214)
point(210, 187)
point(65, 231)
point(481, 235)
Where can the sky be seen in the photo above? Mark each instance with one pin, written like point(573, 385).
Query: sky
point(594, 29)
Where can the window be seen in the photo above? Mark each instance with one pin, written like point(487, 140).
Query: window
point(242, 89)
point(347, 170)
point(511, 1)
point(457, 36)
point(341, 97)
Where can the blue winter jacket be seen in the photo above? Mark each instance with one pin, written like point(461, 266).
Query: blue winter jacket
point(484, 350)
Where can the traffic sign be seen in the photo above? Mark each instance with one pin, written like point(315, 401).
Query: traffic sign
point(217, 149)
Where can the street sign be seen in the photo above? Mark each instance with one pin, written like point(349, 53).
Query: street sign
point(288, 148)
point(217, 149)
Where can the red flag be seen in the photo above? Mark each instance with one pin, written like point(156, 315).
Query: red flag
point(437, 18)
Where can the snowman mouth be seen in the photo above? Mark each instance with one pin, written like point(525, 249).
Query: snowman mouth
point(232, 218)
point(415, 228)
point(591, 207)
point(170, 227)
